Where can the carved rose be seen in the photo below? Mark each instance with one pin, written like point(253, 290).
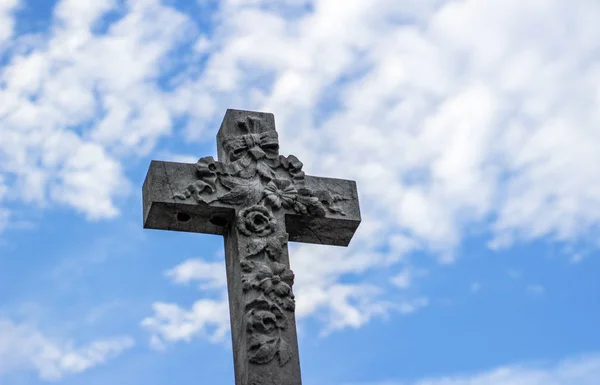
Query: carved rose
point(261, 320)
point(256, 220)
point(280, 192)
point(263, 316)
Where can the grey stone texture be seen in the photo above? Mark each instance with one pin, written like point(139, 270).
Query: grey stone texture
point(258, 200)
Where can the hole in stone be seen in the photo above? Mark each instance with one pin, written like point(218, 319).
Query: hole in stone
point(218, 220)
point(183, 217)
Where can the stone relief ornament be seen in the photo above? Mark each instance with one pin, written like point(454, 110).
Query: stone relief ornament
point(264, 322)
point(258, 182)
point(256, 220)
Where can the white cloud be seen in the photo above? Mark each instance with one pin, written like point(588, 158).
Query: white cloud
point(7, 21)
point(584, 370)
point(402, 279)
point(210, 274)
point(74, 102)
point(317, 269)
point(171, 323)
point(207, 317)
point(22, 347)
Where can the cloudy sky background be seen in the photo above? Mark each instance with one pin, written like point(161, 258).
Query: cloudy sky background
point(472, 128)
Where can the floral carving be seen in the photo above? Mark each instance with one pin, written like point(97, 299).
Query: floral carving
point(258, 182)
point(242, 192)
point(273, 279)
point(256, 220)
point(308, 204)
point(272, 245)
point(280, 192)
point(264, 322)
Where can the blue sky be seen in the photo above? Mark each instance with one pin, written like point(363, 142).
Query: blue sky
point(471, 128)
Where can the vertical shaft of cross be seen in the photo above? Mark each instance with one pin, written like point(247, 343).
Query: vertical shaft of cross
point(261, 302)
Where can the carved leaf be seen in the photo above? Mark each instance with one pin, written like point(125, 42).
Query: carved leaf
point(247, 266)
point(256, 246)
point(265, 171)
point(336, 209)
point(244, 191)
point(338, 198)
point(231, 182)
point(329, 200)
point(198, 187)
point(284, 352)
point(249, 275)
point(324, 196)
point(281, 320)
point(286, 302)
point(195, 190)
point(262, 348)
point(246, 167)
point(300, 208)
point(255, 275)
point(313, 205)
point(282, 289)
point(275, 246)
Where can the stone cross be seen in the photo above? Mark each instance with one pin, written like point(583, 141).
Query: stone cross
point(258, 200)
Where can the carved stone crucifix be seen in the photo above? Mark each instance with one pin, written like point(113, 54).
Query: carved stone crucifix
point(258, 200)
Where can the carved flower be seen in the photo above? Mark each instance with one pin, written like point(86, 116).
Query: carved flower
point(277, 279)
point(264, 316)
point(262, 320)
point(256, 220)
point(280, 192)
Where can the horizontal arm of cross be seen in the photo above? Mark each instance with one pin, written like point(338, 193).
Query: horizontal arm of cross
point(165, 212)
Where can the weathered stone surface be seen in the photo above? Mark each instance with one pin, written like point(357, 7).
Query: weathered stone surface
point(258, 200)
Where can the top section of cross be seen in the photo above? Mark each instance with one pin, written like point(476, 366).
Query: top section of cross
point(247, 133)
point(250, 175)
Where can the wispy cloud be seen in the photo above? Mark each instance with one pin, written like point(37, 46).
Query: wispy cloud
point(207, 317)
point(75, 101)
point(22, 347)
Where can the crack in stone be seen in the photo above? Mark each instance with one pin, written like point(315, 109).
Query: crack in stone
point(316, 235)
